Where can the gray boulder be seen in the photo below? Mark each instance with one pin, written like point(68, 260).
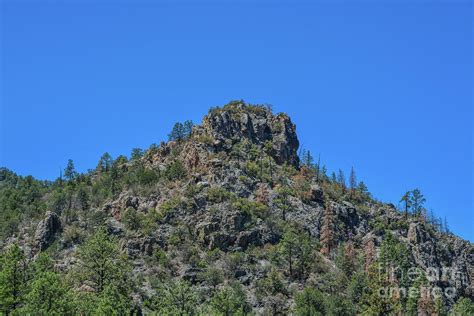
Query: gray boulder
point(47, 230)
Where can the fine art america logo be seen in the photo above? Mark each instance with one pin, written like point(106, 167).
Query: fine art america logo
point(434, 276)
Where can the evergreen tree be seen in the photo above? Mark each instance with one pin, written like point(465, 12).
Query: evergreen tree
point(12, 279)
point(307, 159)
point(406, 198)
point(83, 198)
point(48, 296)
point(177, 298)
point(327, 231)
point(446, 226)
point(282, 200)
point(114, 179)
point(187, 128)
point(102, 263)
point(70, 172)
point(310, 302)
point(303, 253)
point(318, 169)
point(341, 179)
point(229, 301)
point(363, 190)
point(177, 133)
point(338, 304)
point(323, 173)
point(346, 259)
point(288, 245)
point(369, 253)
point(357, 286)
point(417, 201)
point(376, 299)
point(464, 306)
point(137, 154)
point(112, 301)
point(352, 181)
point(105, 163)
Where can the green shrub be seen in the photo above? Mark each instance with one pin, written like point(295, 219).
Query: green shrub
point(132, 219)
point(192, 190)
point(147, 176)
point(217, 195)
point(161, 258)
point(170, 205)
point(251, 208)
point(175, 171)
point(252, 169)
point(73, 235)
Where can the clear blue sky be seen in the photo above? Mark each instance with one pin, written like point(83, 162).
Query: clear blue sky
point(386, 88)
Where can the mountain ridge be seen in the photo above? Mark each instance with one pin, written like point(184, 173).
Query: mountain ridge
point(235, 186)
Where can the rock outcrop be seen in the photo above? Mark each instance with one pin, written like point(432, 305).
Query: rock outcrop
point(46, 231)
point(236, 122)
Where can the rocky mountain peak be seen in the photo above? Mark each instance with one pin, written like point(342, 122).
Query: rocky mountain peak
point(238, 121)
point(223, 207)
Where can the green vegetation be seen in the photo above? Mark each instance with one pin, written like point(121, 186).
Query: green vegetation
point(181, 131)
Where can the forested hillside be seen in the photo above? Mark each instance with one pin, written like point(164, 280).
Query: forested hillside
point(224, 219)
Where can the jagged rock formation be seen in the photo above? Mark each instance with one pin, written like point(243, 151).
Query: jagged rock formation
point(259, 126)
point(47, 230)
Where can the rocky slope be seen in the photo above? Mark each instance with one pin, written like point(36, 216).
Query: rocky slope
point(223, 200)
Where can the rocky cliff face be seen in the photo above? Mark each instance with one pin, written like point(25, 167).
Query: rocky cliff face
point(277, 134)
point(47, 230)
point(225, 198)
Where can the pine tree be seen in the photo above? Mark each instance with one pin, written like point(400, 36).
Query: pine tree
point(446, 226)
point(177, 133)
point(346, 259)
point(112, 301)
point(70, 172)
point(417, 201)
point(282, 200)
point(105, 163)
point(432, 217)
point(187, 128)
point(369, 253)
point(323, 173)
point(83, 198)
point(352, 181)
point(101, 261)
point(12, 279)
point(114, 177)
point(363, 190)
point(137, 154)
point(318, 169)
point(268, 150)
point(229, 301)
point(406, 198)
point(327, 231)
point(310, 302)
point(341, 179)
point(288, 245)
point(464, 306)
point(307, 159)
point(303, 253)
point(48, 296)
point(177, 298)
